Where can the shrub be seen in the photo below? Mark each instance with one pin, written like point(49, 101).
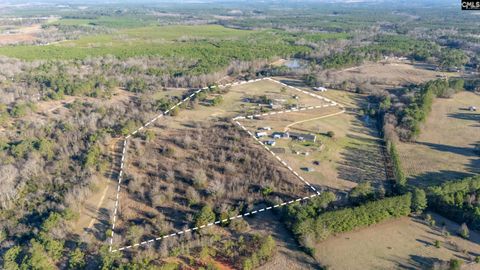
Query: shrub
point(419, 200)
point(205, 216)
point(463, 231)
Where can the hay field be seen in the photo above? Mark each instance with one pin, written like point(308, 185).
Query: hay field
point(445, 147)
point(405, 243)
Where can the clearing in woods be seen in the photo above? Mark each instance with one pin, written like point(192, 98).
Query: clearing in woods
point(389, 73)
point(445, 149)
point(337, 162)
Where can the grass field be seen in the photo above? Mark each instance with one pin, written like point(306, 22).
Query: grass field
point(405, 243)
point(388, 74)
point(234, 104)
point(445, 147)
point(342, 162)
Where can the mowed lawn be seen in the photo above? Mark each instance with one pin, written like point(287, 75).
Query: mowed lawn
point(445, 147)
point(404, 243)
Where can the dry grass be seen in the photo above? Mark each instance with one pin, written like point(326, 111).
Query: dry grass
point(445, 148)
point(390, 73)
point(404, 243)
point(342, 158)
point(233, 104)
point(21, 34)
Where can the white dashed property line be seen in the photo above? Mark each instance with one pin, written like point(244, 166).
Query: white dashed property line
point(214, 223)
point(332, 103)
point(125, 146)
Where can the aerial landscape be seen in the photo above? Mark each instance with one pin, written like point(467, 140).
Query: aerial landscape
point(239, 134)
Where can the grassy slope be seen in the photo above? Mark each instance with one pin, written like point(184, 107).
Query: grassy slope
point(444, 150)
point(404, 243)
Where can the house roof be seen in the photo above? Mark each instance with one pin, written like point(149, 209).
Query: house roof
point(305, 136)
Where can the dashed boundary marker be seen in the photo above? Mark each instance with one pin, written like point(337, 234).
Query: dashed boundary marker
point(236, 120)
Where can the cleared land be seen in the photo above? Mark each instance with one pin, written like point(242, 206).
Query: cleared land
point(337, 162)
point(235, 103)
point(191, 162)
point(20, 34)
point(445, 147)
point(388, 74)
point(405, 243)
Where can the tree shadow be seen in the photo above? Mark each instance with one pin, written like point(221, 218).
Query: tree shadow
point(295, 83)
point(363, 161)
point(100, 227)
point(437, 177)
point(466, 116)
point(464, 151)
point(423, 262)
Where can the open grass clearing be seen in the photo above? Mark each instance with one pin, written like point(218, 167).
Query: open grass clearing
point(405, 243)
point(235, 104)
point(389, 74)
point(337, 163)
point(445, 148)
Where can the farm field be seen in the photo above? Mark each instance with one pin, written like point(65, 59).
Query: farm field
point(389, 74)
point(445, 149)
point(337, 162)
point(404, 243)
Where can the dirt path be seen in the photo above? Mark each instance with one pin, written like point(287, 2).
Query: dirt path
point(96, 209)
point(312, 119)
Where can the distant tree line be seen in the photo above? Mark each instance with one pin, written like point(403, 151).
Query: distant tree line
point(396, 45)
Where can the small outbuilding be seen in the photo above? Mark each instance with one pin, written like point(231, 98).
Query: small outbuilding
point(261, 134)
point(303, 136)
point(270, 142)
point(279, 135)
